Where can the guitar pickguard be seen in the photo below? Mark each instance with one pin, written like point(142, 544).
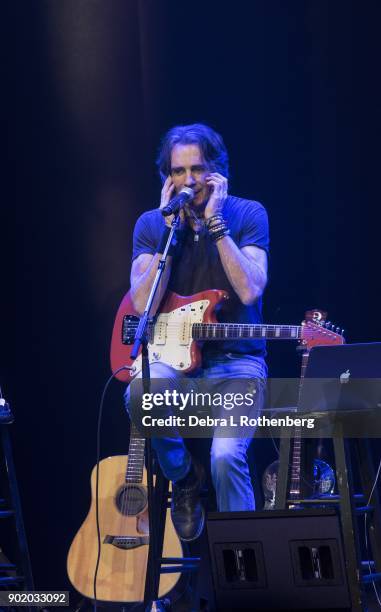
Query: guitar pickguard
point(172, 341)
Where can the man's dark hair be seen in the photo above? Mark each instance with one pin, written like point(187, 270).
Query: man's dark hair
point(211, 145)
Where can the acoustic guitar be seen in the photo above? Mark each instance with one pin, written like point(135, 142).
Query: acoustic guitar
point(124, 531)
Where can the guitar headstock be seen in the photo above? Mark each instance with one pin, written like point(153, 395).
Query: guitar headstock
point(316, 331)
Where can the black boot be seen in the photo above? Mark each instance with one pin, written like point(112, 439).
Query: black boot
point(187, 512)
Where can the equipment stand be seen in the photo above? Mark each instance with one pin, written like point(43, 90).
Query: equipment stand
point(155, 496)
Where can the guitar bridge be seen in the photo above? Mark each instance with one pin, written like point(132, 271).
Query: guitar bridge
point(126, 542)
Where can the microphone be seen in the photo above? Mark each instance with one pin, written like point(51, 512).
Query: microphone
point(185, 195)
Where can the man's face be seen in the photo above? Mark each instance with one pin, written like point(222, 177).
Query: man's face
point(188, 169)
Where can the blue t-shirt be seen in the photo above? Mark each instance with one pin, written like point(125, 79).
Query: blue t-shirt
point(197, 265)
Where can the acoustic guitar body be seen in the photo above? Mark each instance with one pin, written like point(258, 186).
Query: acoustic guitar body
point(124, 540)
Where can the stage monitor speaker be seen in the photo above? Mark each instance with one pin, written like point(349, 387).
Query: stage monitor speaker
point(278, 560)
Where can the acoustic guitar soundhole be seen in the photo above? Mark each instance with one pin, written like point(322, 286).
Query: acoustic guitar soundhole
point(131, 499)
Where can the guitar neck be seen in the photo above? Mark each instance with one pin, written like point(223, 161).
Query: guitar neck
point(135, 464)
point(245, 331)
point(295, 475)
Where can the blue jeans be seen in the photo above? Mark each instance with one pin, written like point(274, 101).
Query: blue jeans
point(229, 468)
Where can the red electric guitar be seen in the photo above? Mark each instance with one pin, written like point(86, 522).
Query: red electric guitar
point(176, 333)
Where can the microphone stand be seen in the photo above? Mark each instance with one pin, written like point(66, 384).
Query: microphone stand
point(152, 576)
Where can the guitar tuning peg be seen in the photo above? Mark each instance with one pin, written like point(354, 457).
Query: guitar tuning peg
point(328, 325)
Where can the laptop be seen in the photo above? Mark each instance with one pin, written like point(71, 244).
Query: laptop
point(345, 377)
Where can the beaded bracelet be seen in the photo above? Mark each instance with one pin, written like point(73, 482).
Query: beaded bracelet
point(220, 235)
point(217, 228)
point(217, 217)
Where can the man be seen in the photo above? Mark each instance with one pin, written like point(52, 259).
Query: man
point(223, 244)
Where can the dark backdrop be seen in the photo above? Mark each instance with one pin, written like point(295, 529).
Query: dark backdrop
point(294, 89)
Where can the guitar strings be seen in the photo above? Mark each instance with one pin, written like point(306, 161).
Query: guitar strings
point(126, 503)
point(136, 447)
point(222, 325)
point(257, 329)
point(126, 499)
point(222, 331)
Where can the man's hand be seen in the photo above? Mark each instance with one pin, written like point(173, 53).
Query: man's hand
point(167, 192)
point(219, 191)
